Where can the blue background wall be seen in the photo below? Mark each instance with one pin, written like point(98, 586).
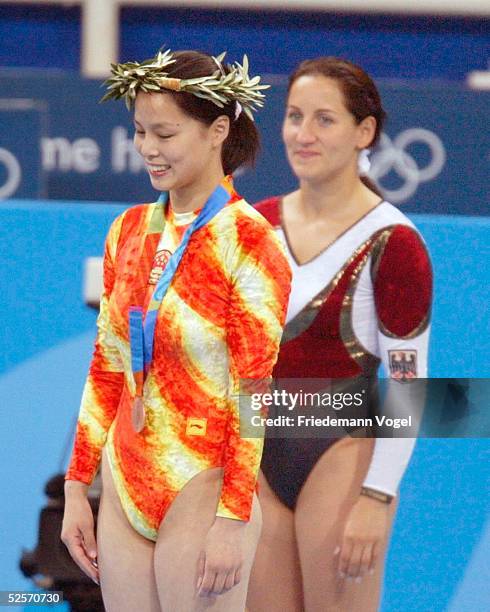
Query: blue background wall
point(439, 552)
point(420, 64)
point(449, 114)
point(387, 46)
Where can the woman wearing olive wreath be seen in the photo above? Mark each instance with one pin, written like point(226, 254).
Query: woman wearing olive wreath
point(195, 293)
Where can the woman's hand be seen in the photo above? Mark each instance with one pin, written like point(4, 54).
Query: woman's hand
point(364, 534)
point(221, 560)
point(77, 532)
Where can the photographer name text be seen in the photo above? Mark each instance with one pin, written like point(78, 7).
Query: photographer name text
point(302, 420)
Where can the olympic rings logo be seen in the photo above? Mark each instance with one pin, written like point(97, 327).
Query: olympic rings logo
point(393, 155)
point(14, 174)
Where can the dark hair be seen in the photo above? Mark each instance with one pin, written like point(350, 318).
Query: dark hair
point(243, 142)
point(361, 96)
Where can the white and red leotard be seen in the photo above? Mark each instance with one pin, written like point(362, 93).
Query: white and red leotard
point(365, 300)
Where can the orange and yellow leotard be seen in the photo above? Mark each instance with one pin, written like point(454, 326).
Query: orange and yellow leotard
point(220, 321)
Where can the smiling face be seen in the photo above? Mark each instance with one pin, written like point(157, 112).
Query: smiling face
point(179, 151)
point(321, 136)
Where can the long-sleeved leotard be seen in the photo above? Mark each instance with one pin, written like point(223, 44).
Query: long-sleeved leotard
point(220, 321)
point(364, 300)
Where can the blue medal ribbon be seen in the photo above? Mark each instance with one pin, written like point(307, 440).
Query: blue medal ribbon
point(142, 333)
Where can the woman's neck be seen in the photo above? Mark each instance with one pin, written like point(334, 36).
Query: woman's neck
point(339, 198)
point(193, 196)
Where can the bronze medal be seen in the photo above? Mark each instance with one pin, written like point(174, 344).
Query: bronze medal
point(138, 414)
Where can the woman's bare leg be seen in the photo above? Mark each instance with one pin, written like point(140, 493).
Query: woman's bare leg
point(275, 583)
point(125, 558)
point(321, 512)
point(180, 540)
